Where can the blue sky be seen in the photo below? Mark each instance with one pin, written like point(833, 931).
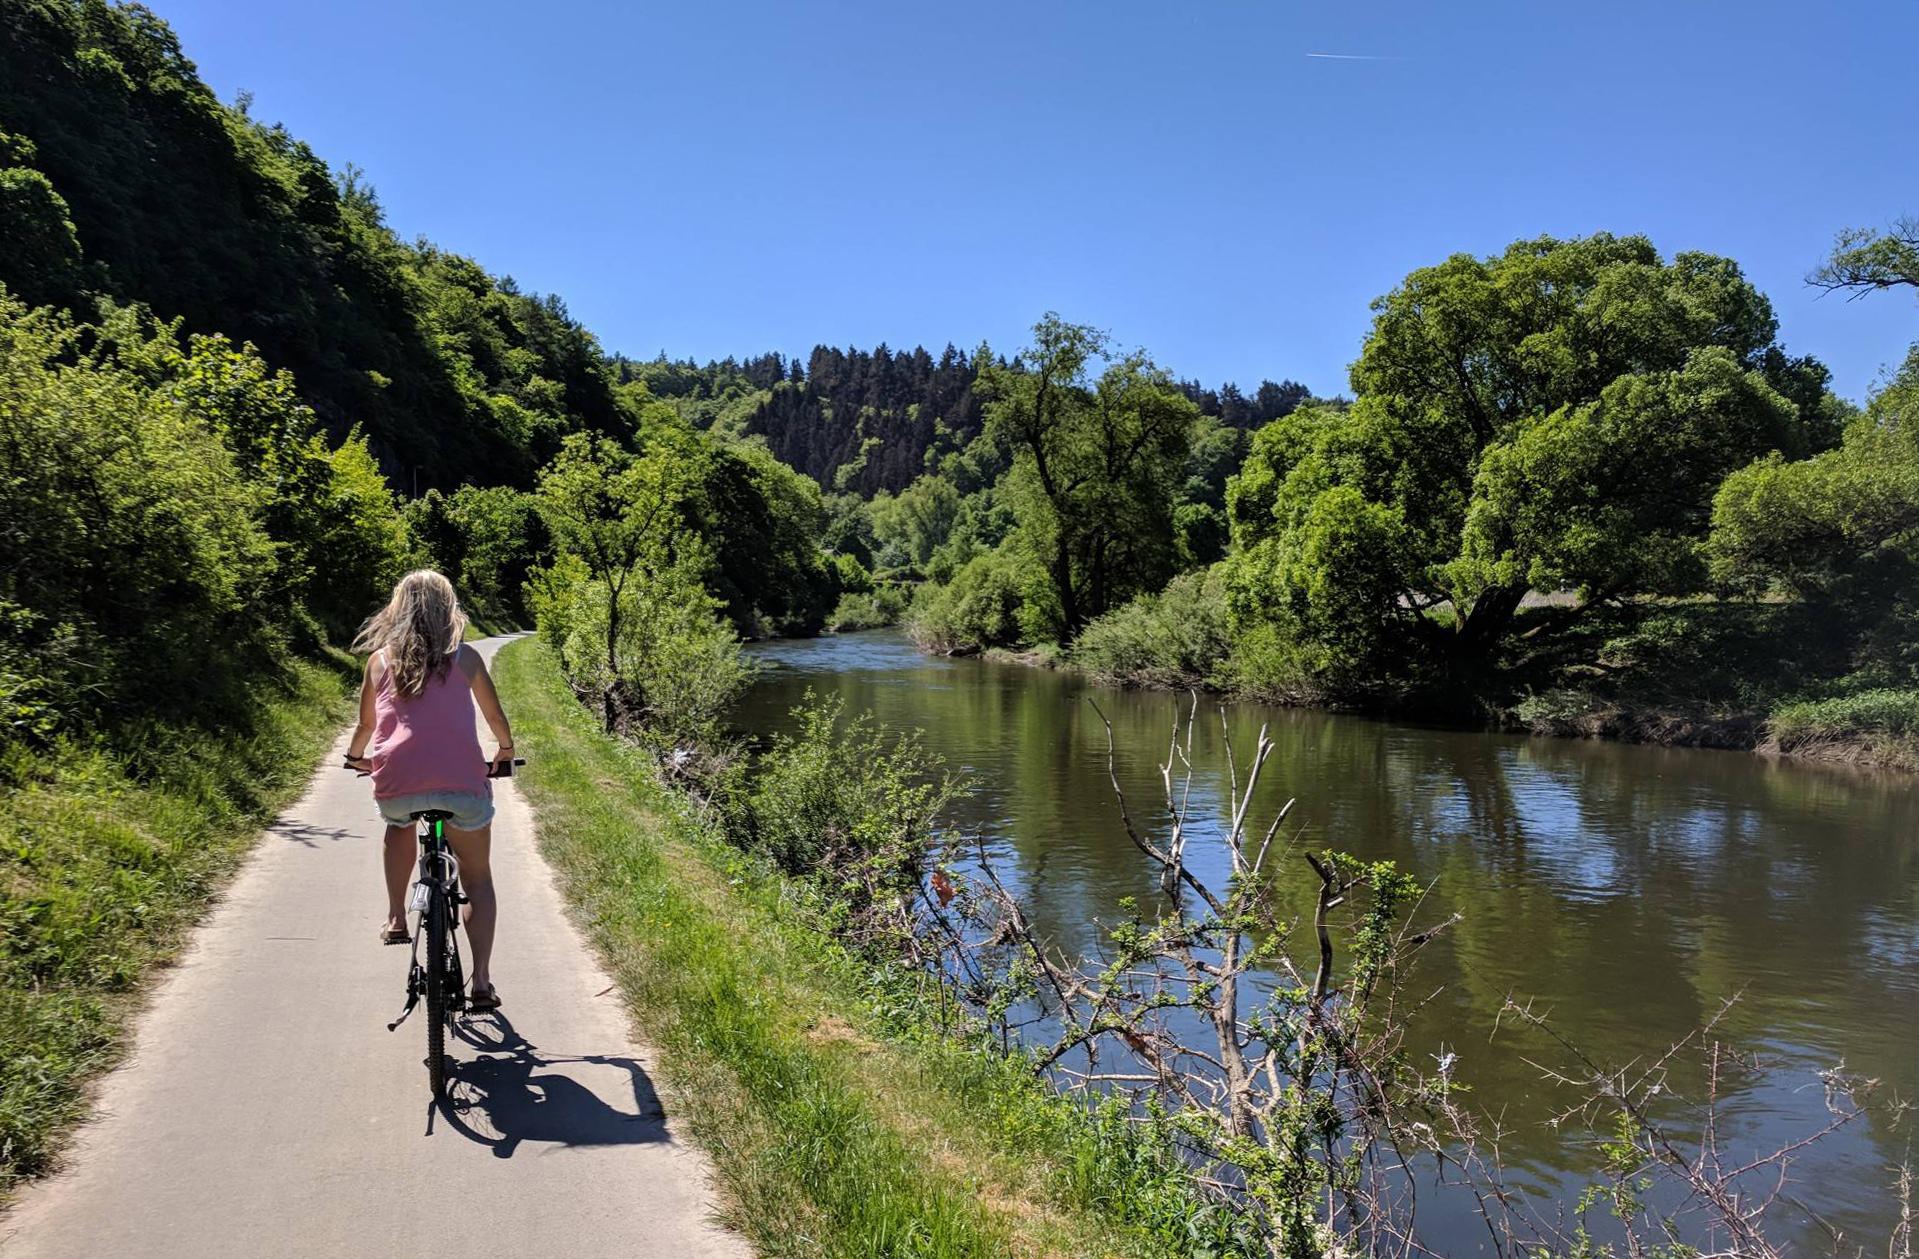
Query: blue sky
point(727, 177)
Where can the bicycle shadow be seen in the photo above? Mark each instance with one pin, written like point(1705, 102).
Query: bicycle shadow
point(513, 1094)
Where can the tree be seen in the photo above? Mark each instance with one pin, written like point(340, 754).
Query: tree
point(909, 526)
point(1865, 259)
point(1554, 418)
point(1096, 465)
point(763, 523)
point(615, 513)
point(43, 249)
point(1839, 531)
point(133, 559)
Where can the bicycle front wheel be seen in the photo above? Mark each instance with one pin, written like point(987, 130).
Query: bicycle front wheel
point(437, 996)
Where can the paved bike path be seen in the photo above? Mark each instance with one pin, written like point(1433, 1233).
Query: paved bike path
point(266, 1111)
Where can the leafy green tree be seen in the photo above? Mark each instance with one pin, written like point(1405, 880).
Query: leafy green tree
point(42, 247)
point(848, 529)
point(1199, 516)
point(762, 522)
point(1865, 259)
point(132, 553)
point(487, 540)
point(355, 540)
point(617, 515)
point(339, 537)
point(1095, 465)
point(909, 526)
point(1554, 418)
point(1839, 531)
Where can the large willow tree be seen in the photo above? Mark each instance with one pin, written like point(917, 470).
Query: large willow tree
point(1554, 419)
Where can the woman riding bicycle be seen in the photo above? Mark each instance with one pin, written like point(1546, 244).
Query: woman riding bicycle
point(416, 712)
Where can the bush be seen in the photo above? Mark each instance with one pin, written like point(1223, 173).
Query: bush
point(981, 607)
point(1268, 666)
point(1177, 638)
point(341, 540)
point(851, 804)
point(133, 560)
point(883, 605)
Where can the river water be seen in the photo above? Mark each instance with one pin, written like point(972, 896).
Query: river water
point(1629, 891)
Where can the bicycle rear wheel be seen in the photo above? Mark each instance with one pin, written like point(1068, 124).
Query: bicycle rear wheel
point(437, 916)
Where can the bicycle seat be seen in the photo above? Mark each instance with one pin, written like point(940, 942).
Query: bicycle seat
point(431, 815)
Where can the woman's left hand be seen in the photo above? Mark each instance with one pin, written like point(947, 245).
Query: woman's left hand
point(360, 764)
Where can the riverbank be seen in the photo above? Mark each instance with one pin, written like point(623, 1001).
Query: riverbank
point(1828, 733)
point(109, 855)
point(838, 1120)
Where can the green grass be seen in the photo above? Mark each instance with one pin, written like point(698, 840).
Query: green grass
point(839, 1122)
point(102, 872)
point(1879, 726)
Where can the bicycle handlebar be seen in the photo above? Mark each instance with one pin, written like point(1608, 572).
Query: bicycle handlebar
point(494, 769)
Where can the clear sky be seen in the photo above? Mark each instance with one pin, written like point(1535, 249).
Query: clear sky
point(714, 177)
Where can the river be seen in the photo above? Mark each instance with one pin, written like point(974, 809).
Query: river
point(1627, 890)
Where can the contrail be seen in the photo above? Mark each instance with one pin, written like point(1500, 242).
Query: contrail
point(1351, 56)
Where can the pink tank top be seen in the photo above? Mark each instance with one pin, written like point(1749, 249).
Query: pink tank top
point(427, 742)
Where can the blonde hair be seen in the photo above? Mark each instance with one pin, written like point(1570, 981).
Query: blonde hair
point(419, 629)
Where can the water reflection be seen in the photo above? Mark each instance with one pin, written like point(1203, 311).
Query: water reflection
point(1629, 890)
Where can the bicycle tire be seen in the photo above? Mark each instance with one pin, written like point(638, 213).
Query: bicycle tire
point(436, 991)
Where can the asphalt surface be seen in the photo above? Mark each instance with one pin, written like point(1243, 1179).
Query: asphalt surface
point(266, 1111)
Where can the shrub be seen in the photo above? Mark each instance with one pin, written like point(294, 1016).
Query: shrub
point(1266, 665)
point(1177, 638)
point(883, 605)
point(851, 804)
point(981, 607)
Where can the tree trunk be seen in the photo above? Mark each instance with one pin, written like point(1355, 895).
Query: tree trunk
point(1069, 608)
point(612, 658)
point(1491, 616)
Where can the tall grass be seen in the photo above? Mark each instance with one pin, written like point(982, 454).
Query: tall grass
point(1889, 712)
point(109, 853)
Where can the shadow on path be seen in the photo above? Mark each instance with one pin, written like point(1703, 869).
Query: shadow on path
point(513, 1093)
point(306, 834)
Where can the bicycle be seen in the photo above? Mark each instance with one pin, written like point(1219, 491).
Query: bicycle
point(436, 897)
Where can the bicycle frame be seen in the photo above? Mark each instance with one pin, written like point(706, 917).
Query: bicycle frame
point(436, 897)
point(435, 889)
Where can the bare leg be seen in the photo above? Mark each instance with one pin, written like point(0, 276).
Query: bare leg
point(474, 849)
point(399, 866)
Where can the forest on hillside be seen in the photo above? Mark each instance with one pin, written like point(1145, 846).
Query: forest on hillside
point(1572, 482)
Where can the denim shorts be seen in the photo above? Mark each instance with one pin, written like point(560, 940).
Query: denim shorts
point(470, 811)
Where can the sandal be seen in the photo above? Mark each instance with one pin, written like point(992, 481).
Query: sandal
point(395, 935)
point(483, 1001)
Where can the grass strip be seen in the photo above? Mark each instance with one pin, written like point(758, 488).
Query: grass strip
point(839, 1122)
point(109, 854)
